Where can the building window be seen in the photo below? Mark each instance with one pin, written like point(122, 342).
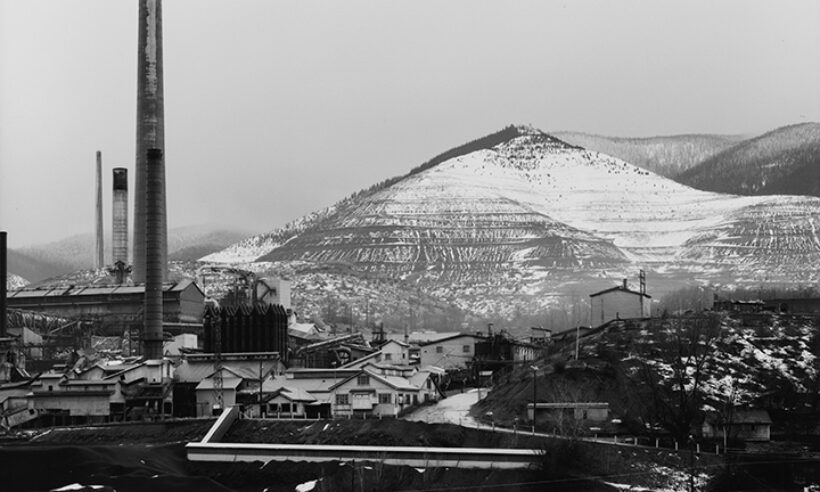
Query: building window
point(439, 349)
point(363, 380)
point(388, 356)
point(343, 399)
point(465, 349)
point(385, 398)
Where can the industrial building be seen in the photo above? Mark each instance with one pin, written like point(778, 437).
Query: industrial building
point(183, 301)
point(450, 351)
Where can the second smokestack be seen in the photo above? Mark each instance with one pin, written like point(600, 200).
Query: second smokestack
point(119, 234)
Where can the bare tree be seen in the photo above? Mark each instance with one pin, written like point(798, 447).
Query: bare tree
point(669, 370)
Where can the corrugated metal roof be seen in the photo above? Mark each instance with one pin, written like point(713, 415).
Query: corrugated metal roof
point(82, 290)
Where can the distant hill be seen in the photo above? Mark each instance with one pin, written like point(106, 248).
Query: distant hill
point(668, 156)
point(34, 267)
point(522, 221)
point(74, 253)
point(784, 161)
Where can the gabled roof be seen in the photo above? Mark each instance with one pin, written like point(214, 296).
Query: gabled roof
point(422, 337)
point(396, 341)
point(293, 394)
point(751, 416)
point(227, 383)
point(450, 336)
point(622, 289)
point(395, 382)
point(419, 378)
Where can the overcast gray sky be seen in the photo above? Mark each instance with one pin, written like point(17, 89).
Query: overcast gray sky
point(274, 109)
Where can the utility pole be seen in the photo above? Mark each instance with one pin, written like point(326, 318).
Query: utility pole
point(218, 383)
point(534, 374)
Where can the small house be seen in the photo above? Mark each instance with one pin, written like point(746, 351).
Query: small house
point(750, 425)
point(591, 411)
point(618, 302)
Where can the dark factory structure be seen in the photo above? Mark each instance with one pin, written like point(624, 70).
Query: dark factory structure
point(246, 328)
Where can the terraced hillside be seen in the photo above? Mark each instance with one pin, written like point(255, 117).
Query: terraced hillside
point(503, 227)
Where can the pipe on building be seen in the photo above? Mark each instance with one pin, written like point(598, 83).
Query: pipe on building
point(150, 130)
point(4, 276)
point(153, 261)
point(119, 229)
point(98, 216)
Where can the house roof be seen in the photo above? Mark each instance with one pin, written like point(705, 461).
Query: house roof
point(622, 289)
point(419, 378)
point(450, 336)
point(751, 416)
point(424, 337)
point(395, 382)
point(193, 373)
point(392, 340)
point(293, 394)
point(227, 383)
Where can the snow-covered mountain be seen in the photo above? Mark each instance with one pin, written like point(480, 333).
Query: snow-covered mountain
point(531, 216)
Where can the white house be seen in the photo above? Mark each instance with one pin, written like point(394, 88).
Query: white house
point(451, 352)
point(371, 390)
point(370, 393)
point(618, 302)
point(395, 352)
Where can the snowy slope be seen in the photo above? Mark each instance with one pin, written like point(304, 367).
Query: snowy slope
point(533, 214)
point(15, 282)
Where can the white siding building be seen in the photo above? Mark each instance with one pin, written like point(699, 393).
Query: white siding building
point(453, 352)
point(618, 302)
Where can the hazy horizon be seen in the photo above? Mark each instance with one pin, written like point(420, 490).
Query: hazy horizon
point(274, 110)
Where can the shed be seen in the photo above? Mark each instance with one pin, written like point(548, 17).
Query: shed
point(751, 425)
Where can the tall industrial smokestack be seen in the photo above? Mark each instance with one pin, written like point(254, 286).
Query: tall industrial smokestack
point(4, 275)
point(100, 257)
point(119, 229)
point(152, 328)
point(150, 131)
